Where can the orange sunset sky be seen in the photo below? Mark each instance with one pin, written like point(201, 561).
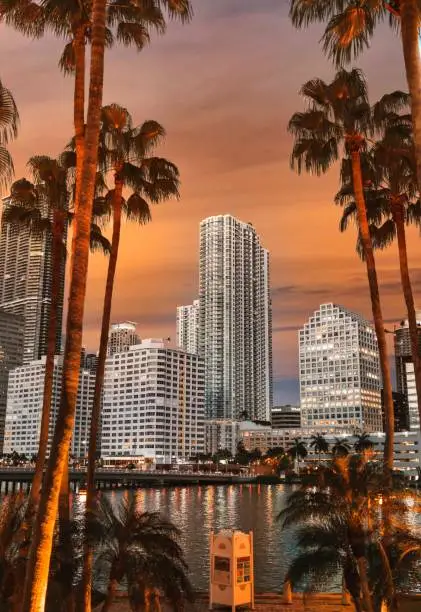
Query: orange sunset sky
point(224, 88)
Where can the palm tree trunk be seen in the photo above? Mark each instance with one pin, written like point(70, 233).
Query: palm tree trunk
point(99, 381)
point(398, 215)
point(79, 106)
point(112, 588)
point(409, 13)
point(376, 309)
point(365, 589)
point(57, 260)
point(40, 553)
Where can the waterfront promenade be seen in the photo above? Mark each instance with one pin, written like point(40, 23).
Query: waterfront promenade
point(19, 478)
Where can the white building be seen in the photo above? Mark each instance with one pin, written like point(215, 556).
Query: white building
point(121, 337)
point(153, 403)
point(235, 327)
point(188, 327)
point(24, 407)
point(221, 434)
point(340, 380)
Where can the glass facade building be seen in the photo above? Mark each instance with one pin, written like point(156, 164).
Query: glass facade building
point(340, 380)
point(188, 327)
point(235, 320)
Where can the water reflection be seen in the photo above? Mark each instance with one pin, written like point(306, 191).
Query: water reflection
point(198, 510)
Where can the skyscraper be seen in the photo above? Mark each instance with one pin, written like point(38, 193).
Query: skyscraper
point(235, 320)
point(25, 285)
point(11, 356)
point(121, 337)
point(188, 327)
point(405, 376)
point(340, 379)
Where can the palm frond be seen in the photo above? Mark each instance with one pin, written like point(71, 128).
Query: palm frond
point(7, 169)
point(137, 209)
point(9, 116)
point(349, 31)
point(314, 155)
point(98, 242)
point(133, 34)
point(383, 236)
point(67, 59)
point(304, 12)
point(181, 10)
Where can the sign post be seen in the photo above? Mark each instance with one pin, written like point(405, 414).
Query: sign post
point(231, 569)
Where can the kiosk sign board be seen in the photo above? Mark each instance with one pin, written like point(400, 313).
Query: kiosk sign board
point(231, 569)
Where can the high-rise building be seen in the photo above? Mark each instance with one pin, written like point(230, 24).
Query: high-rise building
point(400, 411)
point(24, 407)
point(153, 403)
point(11, 356)
point(286, 417)
point(405, 377)
point(235, 321)
point(340, 378)
point(188, 327)
point(121, 337)
point(25, 285)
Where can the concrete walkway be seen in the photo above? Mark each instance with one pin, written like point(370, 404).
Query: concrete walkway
point(269, 603)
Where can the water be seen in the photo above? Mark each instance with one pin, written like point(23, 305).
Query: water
point(199, 510)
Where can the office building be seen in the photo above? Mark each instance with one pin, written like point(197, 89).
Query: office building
point(286, 417)
point(11, 356)
point(188, 327)
point(121, 337)
point(235, 320)
point(153, 403)
point(400, 411)
point(405, 377)
point(340, 377)
point(24, 408)
point(25, 284)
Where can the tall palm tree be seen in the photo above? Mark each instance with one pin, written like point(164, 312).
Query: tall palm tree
point(43, 207)
point(124, 152)
point(141, 548)
point(320, 444)
point(9, 120)
point(36, 579)
point(363, 443)
point(341, 447)
point(349, 29)
point(336, 124)
point(392, 198)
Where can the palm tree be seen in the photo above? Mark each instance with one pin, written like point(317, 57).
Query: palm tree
point(349, 29)
point(338, 121)
point(140, 548)
point(124, 152)
point(36, 579)
point(9, 120)
point(363, 443)
point(341, 529)
point(320, 444)
point(392, 198)
point(341, 447)
point(43, 207)
point(297, 451)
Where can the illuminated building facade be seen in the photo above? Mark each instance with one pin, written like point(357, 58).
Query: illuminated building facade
point(340, 380)
point(188, 327)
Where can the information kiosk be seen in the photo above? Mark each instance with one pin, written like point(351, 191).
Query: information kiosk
point(231, 569)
